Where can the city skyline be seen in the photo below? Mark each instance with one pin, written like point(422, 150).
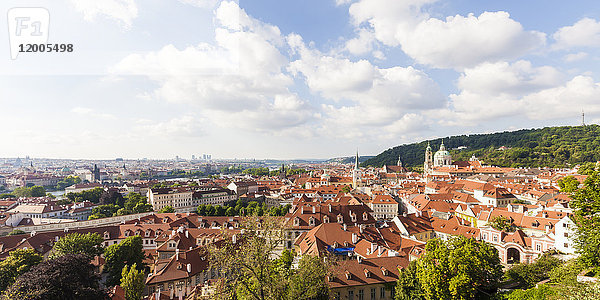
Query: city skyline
point(290, 80)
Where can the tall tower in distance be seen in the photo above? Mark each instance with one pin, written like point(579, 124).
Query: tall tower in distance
point(428, 159)
point(582, 118)
point(355, 174)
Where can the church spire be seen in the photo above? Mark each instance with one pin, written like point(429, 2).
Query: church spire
point(399, 161)
point(356, 161)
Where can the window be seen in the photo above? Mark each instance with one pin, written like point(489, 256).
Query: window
point(382, 293)
point(538, 247)
point(566, 234)
point(361, 294)
point(495, 238)
point(566, 245)
point(373, 293)
point(350, 295)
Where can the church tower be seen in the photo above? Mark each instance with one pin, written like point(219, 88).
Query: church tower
point(428, 159)
point(399, 164)
point(355, 172)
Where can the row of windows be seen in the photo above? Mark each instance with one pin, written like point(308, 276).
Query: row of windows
point(361, 294)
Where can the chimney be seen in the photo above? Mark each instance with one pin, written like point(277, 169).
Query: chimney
point(187, 234)
point(361, 228)
point(313, 209)
point(189, 268)
point(345, 227)
point(373, 247)
point(176, 254)
point(329, 207)
point(302, 209)
point(359, 259)
point(354, 238)
point(234, 239)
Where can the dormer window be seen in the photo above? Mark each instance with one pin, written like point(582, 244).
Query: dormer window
point(106, 235)
point(353, 217)
point(384, 271)
point(148, 232)
point(311, 221)
point(340, 219)
point(365, 216)
point(127, 232)
point(165, 220)
point(171, 245)
point(296, 221)
point(325, 219)
point(367, 273)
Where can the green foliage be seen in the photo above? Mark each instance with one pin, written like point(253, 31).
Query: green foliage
point(92, 195)
point(68, 181)
point(568, 184)
point(408, 286)
point(259, 273)
point(502, 223)
point(16, 232)
point(18, 262)
point(257, 171)
point(68, 277)
point(527, 275)
point(89, 244)
point(586, 202)
point(458, 269)
point(547, 147)
point(132, 282)
point(346, 189)
point(5, 196)
point(127, 252)
point(167, 209)
point(241, 208)
point(587, 168)
point(103, 211)
point(34, 191)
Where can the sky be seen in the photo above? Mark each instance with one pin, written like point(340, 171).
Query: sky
point(289, 79)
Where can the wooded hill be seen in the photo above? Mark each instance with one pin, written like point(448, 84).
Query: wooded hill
point(548, 147)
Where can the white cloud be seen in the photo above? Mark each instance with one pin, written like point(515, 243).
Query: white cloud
point(90, 112)
point(185, 126)
point(201, 3)
point(362, 82)
point(493, 90)
point(124, 11)
point(241, 79)
point(568, 100)
point(584, 33)
point(572, 57)
point(456, 42)
point(342, 2)
point(362, 44)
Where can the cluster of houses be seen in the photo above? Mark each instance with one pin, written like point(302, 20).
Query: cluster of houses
point(374, 220)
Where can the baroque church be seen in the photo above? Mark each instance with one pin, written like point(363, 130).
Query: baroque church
point(441, 158)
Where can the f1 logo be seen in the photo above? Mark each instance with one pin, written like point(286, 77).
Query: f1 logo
point(27, 25)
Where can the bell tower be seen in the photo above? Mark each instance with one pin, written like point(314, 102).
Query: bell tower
point(428, 159)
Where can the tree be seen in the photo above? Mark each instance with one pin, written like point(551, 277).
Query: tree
point(259, 273)
point(527, 275)
point(408, 286)
point(18, 262)
point(64, 278)
point(586, 202)
point(458, 269)
point(502, 223)
point(568, 184)
point(112, 196)
point(103, 211)
point(34, 191)
point(133, 282)
point(167, 209)
point(128, 252)
point(89, 244)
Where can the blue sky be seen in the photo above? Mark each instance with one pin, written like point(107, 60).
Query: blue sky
point(293, 79)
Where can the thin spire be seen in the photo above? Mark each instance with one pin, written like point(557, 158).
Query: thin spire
point(356, 160)
point(582, 118)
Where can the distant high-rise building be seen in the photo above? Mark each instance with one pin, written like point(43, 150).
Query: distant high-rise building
point(96, 174)
point(193, 157)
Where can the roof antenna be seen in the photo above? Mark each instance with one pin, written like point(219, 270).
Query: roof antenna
point(582, 118)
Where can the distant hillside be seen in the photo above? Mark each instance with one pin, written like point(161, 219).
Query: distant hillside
point(350, 159)
point(547, 147)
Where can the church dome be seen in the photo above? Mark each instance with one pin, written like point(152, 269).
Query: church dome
point(442, 157)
